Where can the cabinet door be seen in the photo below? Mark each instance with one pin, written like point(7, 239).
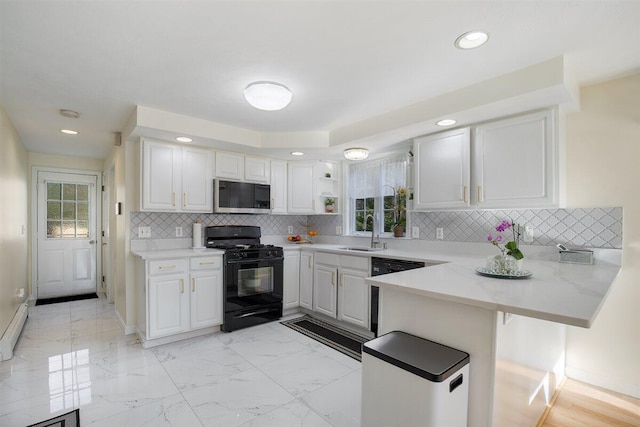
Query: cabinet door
point(168, 305)
point(206, 298)
point(306, 280)
point(161, 176)
point(229, 165)
point(353, 297)
point(301, 188)
point(257, 169)
point(324, 290)
point(197, 180)
point(278, 186)
point(442, 170)
point(515, 162)
point(291, 297)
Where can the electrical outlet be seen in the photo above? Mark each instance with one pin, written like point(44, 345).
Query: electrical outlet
point(178, 231)
point(290, 229)
point(439, 233)
point(415, 232)
point(338, 230)
point(528, 234)
point(144, 232)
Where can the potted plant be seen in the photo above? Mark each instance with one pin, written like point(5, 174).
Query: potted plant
point(400, 212)
point(329, 204)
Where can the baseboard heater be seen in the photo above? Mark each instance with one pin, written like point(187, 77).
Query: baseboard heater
point(10, 337)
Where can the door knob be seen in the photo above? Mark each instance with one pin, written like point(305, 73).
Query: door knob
point(91, 242)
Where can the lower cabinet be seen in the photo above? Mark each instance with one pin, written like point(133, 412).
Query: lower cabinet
point(306, 279)
point(183, 294)
point(339, 288)
point(291, 276)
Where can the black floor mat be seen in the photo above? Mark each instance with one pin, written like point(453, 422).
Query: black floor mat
point(328, 334)
point(44, 301)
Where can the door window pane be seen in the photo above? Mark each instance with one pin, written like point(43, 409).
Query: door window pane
point(73, 210)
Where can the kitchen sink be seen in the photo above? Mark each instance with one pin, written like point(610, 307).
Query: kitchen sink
point(362, 249)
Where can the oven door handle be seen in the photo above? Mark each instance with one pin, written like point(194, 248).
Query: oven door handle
point(253, 313)
point(253, 261)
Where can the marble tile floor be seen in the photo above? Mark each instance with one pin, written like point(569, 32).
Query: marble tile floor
point(75, 355)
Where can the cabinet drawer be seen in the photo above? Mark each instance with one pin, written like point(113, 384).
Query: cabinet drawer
point(167, 266)
point(354, 262)
point(205, 263)
point(326, 258)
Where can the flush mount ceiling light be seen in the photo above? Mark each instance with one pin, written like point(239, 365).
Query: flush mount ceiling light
point(446, 122)
point(471, 39)
point(183, 139)
point(268, 96)
point(70, 114)
point(356, 153)
point(297, 153)
point(69, 131)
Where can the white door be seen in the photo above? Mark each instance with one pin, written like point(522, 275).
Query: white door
point(66, 252)
point(197, 180)
point(324, 290)
point(306, 280)
point(353, 298)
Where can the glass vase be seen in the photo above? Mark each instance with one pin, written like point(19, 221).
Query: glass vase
point(503, 264)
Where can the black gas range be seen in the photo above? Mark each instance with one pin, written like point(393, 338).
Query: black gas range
point(253, 276)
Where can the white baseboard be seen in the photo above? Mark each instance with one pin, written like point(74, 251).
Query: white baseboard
point(11, 335)
point(603, 381)
point(128, 329)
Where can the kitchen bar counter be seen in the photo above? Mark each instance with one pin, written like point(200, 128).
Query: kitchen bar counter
point(175, 253)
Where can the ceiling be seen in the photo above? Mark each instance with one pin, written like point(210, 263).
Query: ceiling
point(346, 62)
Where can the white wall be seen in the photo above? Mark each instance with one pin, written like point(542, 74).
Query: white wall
point(14, 195)
point(603, 169)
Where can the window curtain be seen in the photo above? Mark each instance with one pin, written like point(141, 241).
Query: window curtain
point(377, 178)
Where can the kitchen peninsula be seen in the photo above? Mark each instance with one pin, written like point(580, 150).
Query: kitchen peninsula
point(514, 330)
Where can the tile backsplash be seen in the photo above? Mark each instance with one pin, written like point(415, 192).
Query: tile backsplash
point(583, 227)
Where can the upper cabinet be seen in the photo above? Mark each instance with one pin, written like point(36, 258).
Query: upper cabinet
point(509, 163)
point(515, 162)
point(442, 164)
point(242, 168)
point(313, 187)
point(278, 187)
point(176, 178)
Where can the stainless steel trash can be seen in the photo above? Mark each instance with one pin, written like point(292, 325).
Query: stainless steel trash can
point(410, 381)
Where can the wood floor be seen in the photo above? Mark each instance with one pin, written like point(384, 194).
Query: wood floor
point(579, 404)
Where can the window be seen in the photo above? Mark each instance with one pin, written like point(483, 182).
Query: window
point(373, 192)
point(67, 210)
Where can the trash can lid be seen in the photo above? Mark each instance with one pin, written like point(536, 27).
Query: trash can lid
point(427, 359)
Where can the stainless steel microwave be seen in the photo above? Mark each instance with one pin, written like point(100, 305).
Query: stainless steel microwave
point(241, 197)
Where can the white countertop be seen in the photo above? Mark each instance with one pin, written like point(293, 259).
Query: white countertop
point(175, 253)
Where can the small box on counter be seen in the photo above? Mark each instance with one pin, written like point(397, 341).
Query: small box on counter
point(576, 256)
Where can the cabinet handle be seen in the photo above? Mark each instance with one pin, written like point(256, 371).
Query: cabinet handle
point(193, 284)
point(464, 193)
point(173, 198)
point(479, 193)
point(313, 205)
point(333, 279)
point(273, 202)
point(182, 286)
point(166, 267)
point(184, 200)
point(309, 261)
point(340, 282)
point(207, 263)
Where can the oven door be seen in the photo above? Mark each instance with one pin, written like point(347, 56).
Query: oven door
point(253, 292)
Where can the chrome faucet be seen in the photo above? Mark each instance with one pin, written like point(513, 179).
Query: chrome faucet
point(374, 243)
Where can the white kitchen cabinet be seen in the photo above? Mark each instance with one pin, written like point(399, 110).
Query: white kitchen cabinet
point(182, 295)
point(301, 188)
point(291, 274)
point(168, 305)
point(353, 292)
point(161, 176)
point(278, 187)
point(442, 170)
point(306, 279)
point(176, 178)
point(229, 165)
point(239, 167)
point(325, 291)
point(339, 288)
point(515, 162)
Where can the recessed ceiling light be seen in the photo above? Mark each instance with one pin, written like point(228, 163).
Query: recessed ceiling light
point(297, 153)
point(471, 39)
point(446, 122)
point(268, 96)
point(69, 131)
point(183, 139)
